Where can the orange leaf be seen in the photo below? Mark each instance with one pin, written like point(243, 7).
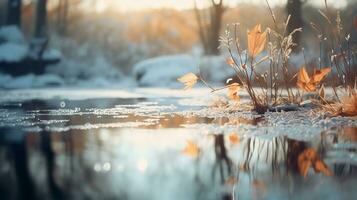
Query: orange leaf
point(308, 87)
point(309, 158)
point(233, 138)
point(309, 84)
point(233, 91)
point(320, 166)
point(230, 62)
point(191, 149)
point(304, 167)
point(303, 81)
point(305, 160)
point(189, 80)
point(303, 76)
point(256, 40)
point(320, 74)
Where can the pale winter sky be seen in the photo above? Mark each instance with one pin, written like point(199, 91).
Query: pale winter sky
point(128, 5)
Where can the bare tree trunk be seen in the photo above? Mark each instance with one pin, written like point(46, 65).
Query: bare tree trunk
point(13, 16)
point(62, 16)
point(294, 9)
point(59, 15)
point(209, 34)
point(41, 19)
point(65, 17)
point(217, 11)
point(40, 41)
point(201, 30)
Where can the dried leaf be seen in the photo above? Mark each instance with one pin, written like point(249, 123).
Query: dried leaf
point(233, 91)
point(230, 62)
point(191, 149)
point(304, 167)
point(320, 74)
point(309, 158)
point(256, 40)
point(234, 138)
point(309, 84)
point(303, 81)
point(320, 166)
point(305, 161)
point(303, 76)
point(189, 80)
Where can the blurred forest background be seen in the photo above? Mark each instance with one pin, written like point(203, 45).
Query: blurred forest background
point(103, 33)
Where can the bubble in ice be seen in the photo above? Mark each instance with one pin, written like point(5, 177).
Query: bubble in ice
point(62, 104)
point(107, 166)
point(97, 167)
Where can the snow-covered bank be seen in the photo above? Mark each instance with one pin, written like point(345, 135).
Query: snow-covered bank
point(14, 47)
point(163, 71)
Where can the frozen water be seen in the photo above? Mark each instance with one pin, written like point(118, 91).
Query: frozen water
point(150, 107)
point(132, 144)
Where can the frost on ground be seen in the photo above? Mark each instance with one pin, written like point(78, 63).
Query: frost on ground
point(154, 107)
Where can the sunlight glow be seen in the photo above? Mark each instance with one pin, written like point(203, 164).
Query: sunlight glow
point(124, 5)
point(142, 165)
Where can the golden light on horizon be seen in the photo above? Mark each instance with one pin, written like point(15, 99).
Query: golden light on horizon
point(123, 5)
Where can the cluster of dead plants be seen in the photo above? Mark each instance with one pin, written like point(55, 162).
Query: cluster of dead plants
point(277, 85)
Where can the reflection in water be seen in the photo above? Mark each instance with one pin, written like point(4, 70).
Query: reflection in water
point(130, 164)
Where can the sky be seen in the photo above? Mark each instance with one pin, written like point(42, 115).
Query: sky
point(130, 5)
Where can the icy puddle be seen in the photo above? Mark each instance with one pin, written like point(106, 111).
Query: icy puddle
point(156, 144)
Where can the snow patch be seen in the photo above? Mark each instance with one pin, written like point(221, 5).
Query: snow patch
point(11, 52)
point(11, 34)
point(215, 69)
point(87, 73)
point(163, 70)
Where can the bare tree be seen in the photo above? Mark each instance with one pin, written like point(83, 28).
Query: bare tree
point(13, 16)
point(40, 39)
point(294, 9)
point(209, 31)
point(62, 16)
point(41, 19)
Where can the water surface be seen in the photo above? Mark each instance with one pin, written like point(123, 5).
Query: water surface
point(136, 147)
